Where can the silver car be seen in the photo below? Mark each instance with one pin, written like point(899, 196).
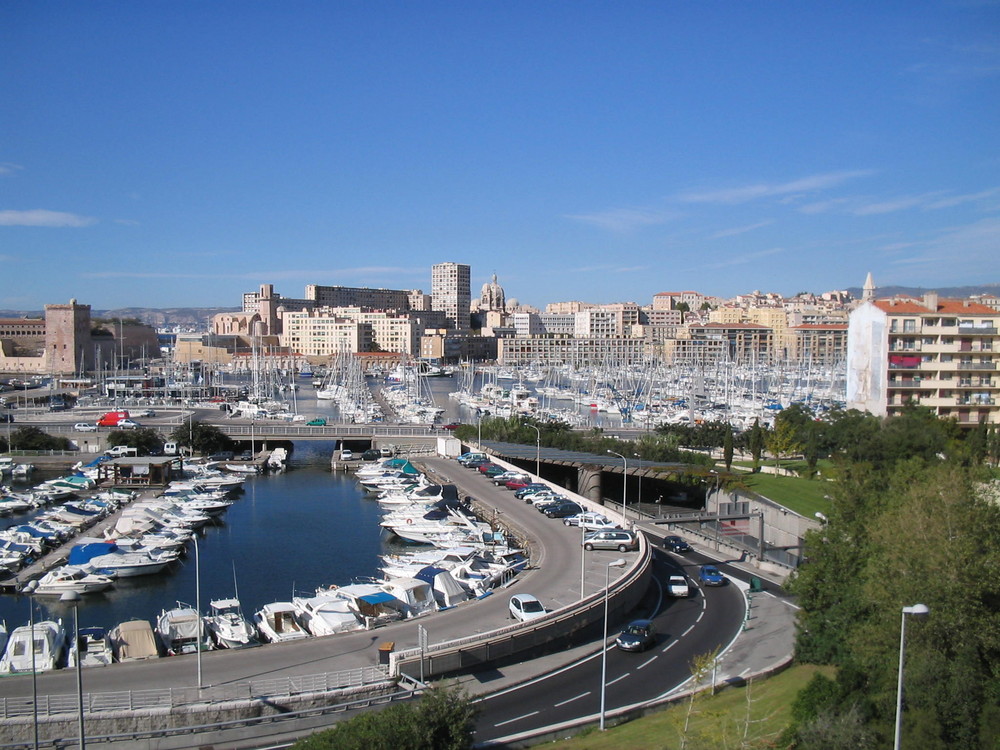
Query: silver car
point(619, 539)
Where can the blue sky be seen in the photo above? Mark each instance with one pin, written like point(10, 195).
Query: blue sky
point(162, 154)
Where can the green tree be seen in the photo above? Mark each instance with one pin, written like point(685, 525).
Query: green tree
point(442, 719)
point(204, 439)
point(30, 438)
point(783, 440)
point(145, 439)
point(727, 448)
point(756, 443)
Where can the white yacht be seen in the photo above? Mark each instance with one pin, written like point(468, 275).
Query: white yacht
point(49, 640)
point(325, 614)
point(72, 578)
point(277, 622)
point(181, 630)
point(97, 649)
point(227, 625)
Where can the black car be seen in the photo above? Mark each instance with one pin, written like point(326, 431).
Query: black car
point(4, 417)
point(638, 635)
point(563, 510)
point(676, 544)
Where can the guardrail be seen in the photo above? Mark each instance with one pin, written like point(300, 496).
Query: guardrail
point(257, 725)
point(133, 700)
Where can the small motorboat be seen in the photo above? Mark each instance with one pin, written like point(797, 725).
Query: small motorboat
point(72, 578)
point(227, 625)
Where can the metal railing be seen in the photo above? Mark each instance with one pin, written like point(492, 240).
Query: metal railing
point(133, 700)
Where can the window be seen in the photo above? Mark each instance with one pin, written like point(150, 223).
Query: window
point(909, 326)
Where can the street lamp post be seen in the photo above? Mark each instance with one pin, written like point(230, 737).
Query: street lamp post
point(624, 481)
point(74, 598)
point(619, 563)
point(916, 609)
point(638, 501)
point(197, 602)
point(538, 450)
point(29, 589)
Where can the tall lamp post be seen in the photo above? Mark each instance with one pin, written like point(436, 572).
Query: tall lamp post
point(74, 598)
point(29, 589)
point(197, 603)
point(638, 502)
point(624, 481)
point(538, 449)
point(916, 609)
point(619, 563)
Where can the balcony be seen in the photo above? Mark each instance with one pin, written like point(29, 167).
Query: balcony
point(966, 401)
point(977, 366)
point(906, 383)
point(977, 330)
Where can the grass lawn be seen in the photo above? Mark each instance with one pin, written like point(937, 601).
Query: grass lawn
point(718, 721)
point(804, 496)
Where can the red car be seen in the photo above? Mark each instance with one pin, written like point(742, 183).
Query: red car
point(452, 426)
point(516, 484)
point(483, 468)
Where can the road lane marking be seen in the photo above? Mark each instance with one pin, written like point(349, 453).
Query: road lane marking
point(700, 615)
point(519, 718)
point(617, 679)
point(648, 661)
point(570, 700)
point(667, 648)
point(690, 628)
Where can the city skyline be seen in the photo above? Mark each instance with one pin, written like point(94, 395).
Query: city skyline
point(178, 155)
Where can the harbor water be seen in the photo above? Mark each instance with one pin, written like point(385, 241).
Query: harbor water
point(287, 534)
point(296, 530)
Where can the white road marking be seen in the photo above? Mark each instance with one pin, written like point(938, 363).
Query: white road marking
point(690, 628)
point(581, 695)
point(617, 679)
point(519, 718)
point(667, 648)
point(650, 660)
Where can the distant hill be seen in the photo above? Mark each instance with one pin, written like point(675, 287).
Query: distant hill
point(954, 292)
point(196, 318)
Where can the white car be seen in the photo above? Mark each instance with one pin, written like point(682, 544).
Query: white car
point(525, 607)
point(85, 427)
point(128, 424)
point(144, 413)
point(591, 521)
point(678, 586)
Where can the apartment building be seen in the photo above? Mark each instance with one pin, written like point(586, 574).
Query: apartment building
point(451, 293)
point(819, 344)
point(559, 350)
point(724, 342)
point(939, 353)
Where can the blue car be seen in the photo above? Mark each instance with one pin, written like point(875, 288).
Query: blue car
point(711, 576)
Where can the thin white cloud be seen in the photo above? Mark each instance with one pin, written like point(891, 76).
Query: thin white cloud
point(41, 217)
point(957, 200)
point(892, 205)
point(974, 244)
point(740, 230)
point(624, 219)
point(822, 207)
point(7, 168)
point(746, 193)
point(127, 222)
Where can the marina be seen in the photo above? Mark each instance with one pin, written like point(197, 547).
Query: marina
point(286, 532)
